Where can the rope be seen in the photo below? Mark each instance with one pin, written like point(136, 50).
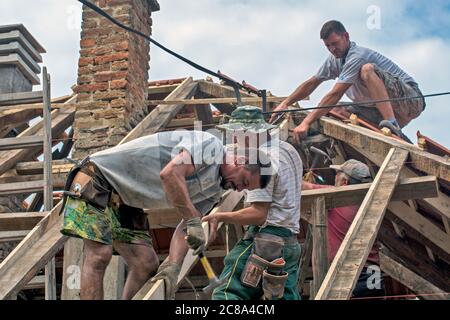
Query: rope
point(366, 104)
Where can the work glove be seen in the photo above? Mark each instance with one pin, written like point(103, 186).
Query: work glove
point(195, 235)
point(168, 271)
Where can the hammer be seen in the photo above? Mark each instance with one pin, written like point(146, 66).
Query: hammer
point(214, 282)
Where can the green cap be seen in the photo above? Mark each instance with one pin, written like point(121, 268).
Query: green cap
point(247, 118)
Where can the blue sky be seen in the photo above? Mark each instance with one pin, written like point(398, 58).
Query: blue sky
point(273, 44)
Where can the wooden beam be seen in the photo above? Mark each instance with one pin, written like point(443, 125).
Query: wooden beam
point(335, 197)
point(31, 254)
point(13, 236)
point(441, 203)
point(429, 233)
point(305, 259)
point(207, 101)
point(20, 220)
point(373, 142)
point(58, 180)
point(21, 142)
point(396, 270)
point(414, 256)
point(62, 118)
point(162, 114)
point(352, 254)
point(320, 243)
point(17, 116)
point(21, 187)
point(36, 167)
point(166, 88)
point(156, 291)
point(214, 90)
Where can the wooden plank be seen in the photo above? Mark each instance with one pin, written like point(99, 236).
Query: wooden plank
point(162, 115)
point(320, 243)
point(305, 259)
point(410, 279)
point(20, 220)
point(335, 197)
point(13, 236)
point(429, 233)
point(214, 90)
point(31, 254)
point(156, 291)
point(50, 277)
point(58, 180)
point(206, 101)
point(21, 142)
point(441, 203)
point(36, 167)
point(373, 142)
point(166, 88)
point(21, 187)
point(352, 254)
point(38, 282)
point(17, 116)
point(62, 119)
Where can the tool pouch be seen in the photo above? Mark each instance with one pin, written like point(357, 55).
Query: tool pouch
point(67, 186)
point(273, 285)
point(266, 248)
point(253, 270)
point(91, 187)
point(95, 193)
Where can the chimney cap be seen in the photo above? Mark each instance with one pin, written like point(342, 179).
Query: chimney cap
point(24, 31)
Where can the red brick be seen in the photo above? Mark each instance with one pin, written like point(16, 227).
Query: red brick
point(118, 84)
point(120, 46)
point(84, 79)
point(91, 87)
point(118, 103)
point(85, 61)
point(111, 57)
point(87, 43)
point(109, 95)
point(119, 65)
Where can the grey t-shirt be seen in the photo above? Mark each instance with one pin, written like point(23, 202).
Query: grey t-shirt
point(284, 188)
point(133, 168)
point(347, 70)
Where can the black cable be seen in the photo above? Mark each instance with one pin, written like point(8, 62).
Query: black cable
point(365, 104)
point(190, 62)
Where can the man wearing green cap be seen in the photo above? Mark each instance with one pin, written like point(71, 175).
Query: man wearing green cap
point(264, 263)
point(370, 282)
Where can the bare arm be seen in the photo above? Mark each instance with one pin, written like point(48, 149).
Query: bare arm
point(330, 98)
point(302, 91)
point(307, 185)
point(256, 214)
point(173, 177)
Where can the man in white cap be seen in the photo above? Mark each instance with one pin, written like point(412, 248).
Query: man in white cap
point(339, 221)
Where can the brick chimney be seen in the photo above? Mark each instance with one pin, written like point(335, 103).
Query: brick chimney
point(112, 74)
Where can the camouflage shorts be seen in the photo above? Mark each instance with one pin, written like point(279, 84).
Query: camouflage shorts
point(404, 110)
point(125, 224)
